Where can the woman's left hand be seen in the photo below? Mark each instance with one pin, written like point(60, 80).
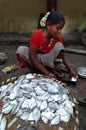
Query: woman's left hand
point(66, 63)
point(73, 73)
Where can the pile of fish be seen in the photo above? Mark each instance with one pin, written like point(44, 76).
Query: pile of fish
point(33, 97)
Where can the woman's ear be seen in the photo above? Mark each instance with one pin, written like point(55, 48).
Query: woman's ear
point(48, 23)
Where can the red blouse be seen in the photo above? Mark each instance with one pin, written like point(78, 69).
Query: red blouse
point(36, 40)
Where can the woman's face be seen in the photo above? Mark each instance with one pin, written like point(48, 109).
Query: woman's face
point(56, 29)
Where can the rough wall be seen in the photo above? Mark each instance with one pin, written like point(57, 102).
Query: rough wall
point(75, 14)
point(21, 16)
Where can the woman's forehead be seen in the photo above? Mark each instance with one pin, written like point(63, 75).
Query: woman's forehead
point(60, 24)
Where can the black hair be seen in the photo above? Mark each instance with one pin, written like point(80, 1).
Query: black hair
point(55, 18)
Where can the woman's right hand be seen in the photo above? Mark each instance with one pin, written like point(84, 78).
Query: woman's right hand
point(51, 75)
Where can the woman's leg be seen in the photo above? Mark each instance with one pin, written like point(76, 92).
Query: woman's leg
point(22, 54)
point(49, 58)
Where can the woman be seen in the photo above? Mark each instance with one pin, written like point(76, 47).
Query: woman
point(46, 45)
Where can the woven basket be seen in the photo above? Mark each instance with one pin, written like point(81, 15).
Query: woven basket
point(73, 124)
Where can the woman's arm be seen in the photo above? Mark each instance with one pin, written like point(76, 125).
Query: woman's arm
point(70, 69)
point(36, 63)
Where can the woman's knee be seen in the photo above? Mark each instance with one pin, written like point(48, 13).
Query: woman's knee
point(59, 46)
point(22, 49)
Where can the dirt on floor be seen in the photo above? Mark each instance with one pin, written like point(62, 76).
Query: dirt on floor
point(75, 60)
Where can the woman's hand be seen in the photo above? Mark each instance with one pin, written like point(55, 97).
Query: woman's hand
point(37, 63)
point(51, 75)
point(66, 63)
point(73, 73)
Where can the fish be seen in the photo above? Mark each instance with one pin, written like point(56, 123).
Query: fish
point(36, 114)
point(24, 116)
point(81, 71)
point(3, 122)
point(44, 119)
point(55, 120)
point(43, 105)
point(1, 115)
point(39, 91)
point(7, 109)
point(53, 105)
point(49, 115)
point(26, 128)
point(12, 122)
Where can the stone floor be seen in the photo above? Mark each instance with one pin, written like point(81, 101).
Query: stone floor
point(75, 60)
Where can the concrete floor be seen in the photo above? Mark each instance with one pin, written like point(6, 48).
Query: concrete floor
point(80, 87)
point(75, 60)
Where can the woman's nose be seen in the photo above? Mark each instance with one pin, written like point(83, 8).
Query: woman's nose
point(59, 31)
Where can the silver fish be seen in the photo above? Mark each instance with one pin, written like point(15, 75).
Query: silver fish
point(36, 114)
point(25, 116)
point(52, 89)
point(29, 76)
point(39, 91)
point(7, 109)
point(43, 105)
point(53, 105)
point(26, 128)
point(44, 119)
point(3, 124)
point(55, 121)
point(81, 71)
